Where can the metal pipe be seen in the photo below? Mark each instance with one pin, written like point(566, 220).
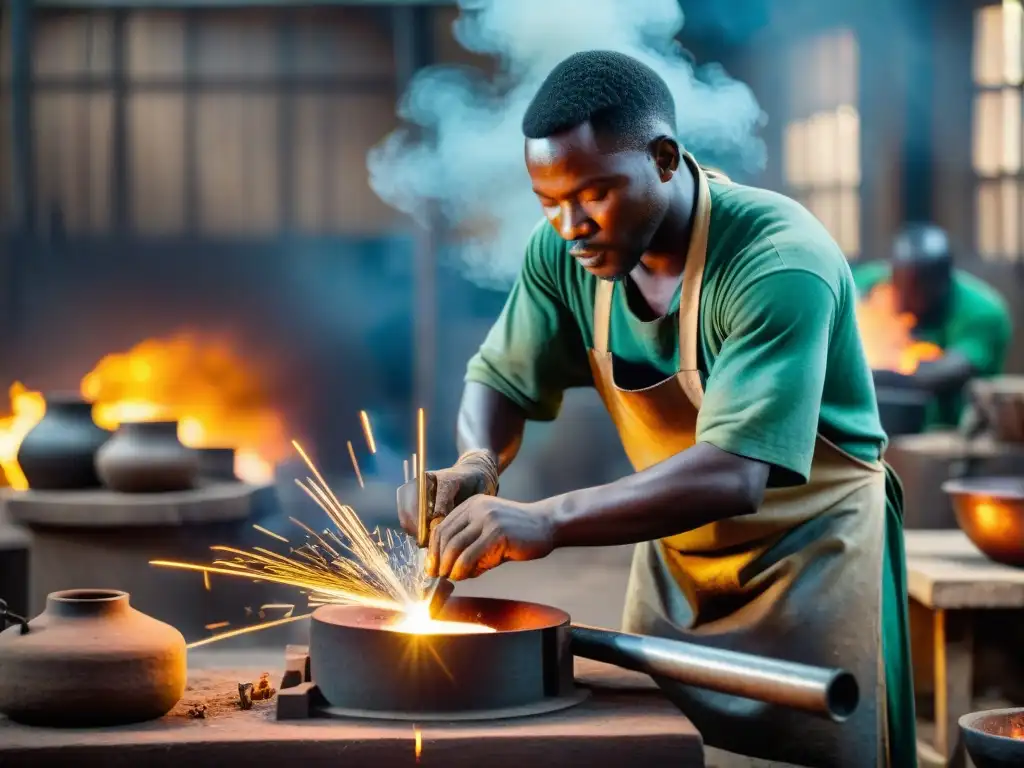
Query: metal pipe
point(832, 693)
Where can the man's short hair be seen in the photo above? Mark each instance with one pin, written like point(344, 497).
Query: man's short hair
point(615, 93)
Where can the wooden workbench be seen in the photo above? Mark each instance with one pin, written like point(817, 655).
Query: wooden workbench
point(949, 577)
point(625, 722)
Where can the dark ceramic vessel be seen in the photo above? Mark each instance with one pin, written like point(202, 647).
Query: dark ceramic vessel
point(59, 453)
point(147, 457)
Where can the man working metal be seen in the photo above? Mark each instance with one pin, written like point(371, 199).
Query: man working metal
point(954, 310)
point(717, 323)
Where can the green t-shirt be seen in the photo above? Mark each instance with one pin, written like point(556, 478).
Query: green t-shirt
point(978, 327)
point(779, 349)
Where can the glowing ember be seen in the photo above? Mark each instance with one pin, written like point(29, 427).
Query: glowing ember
point(417, 621)
point(887, 334)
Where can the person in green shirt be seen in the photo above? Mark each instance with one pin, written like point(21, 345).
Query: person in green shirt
point(954, 310)
point(717, 322)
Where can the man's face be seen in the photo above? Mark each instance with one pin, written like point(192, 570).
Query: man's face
point(923, 290)
point(607, 204)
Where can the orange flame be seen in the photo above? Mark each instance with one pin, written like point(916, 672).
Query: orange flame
point(419, 743)
point(27, 408)
point(887, 334)
point(202, 384)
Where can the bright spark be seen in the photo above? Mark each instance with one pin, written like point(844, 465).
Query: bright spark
point(365, 419)
point(346, 564)
point(355, 464)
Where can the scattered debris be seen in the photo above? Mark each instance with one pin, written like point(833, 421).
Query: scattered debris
point(197, 711)
point(262, 690)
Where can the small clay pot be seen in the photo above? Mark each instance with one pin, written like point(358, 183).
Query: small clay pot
point(147, 457)
point(58, 453)
point(217, 463)
point(90, 659)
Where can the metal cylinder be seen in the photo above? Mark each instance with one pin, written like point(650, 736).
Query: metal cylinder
point(832, 693)
point(359, 665)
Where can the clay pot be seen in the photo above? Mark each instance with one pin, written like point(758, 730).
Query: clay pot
point(59, 453)
point(147, 457)
point(217, 463)
point(90, 659)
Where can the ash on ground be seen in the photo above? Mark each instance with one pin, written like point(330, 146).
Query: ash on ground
point(216, 695)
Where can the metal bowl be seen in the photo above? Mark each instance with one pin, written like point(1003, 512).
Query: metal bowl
point(994, 738)
point(990, 510)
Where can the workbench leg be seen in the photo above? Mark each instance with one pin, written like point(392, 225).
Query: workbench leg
point(954, 680)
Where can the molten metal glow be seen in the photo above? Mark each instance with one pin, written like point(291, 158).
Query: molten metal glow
point(417, 621)
point(345, 564)
point(887, 334)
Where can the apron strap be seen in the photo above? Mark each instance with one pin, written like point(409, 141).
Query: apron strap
point(602, 314)
point(693, 273)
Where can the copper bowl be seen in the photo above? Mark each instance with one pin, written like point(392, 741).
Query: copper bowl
point(990, 510)
point(995, 738)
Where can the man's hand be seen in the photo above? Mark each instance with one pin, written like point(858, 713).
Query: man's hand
point(475, 472)
point(486, 531)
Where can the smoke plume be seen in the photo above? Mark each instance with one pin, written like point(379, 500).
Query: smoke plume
point(459, 155)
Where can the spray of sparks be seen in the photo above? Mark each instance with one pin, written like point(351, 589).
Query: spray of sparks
point(345, 564)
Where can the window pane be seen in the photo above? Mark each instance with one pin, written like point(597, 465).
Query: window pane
point(988, 45)
point(73, 160)
point(823, 150)
point(342, 41)
point(236, 137)
point(1009, 221)
point(156, 44)
point(823, 204)
point(848, 235)
point(156, 141)
point(848, 156)
point(987, 133)
point(241, 44)
point(986, 220)
point(1011, 42)
point(332, 191)
point(795, 152)
point(1011, 131)
point(72, 44)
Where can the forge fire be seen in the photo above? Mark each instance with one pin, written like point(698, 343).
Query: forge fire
point(887, 334)
point(202, 383)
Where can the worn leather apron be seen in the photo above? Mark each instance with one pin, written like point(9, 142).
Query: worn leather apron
point(799, 580)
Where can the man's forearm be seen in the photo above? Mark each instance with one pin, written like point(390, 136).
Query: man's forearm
point(489, 421)
point(682, 493)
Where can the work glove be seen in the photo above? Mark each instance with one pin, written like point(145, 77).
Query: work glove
point(476, 472)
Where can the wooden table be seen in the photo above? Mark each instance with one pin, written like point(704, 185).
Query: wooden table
point(951, 578)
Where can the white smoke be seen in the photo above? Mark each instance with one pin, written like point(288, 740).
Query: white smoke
point(460, 154)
